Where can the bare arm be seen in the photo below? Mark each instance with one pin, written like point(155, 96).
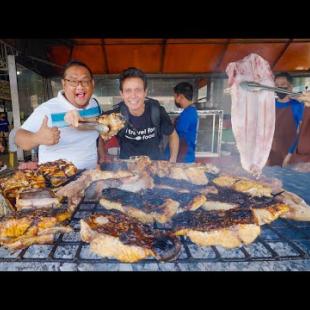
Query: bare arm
point(28, 140)
point(173, 146)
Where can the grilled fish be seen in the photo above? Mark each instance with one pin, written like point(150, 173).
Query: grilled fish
point(144, 206)
point(21, 229)
point(114, 234)
point(229, 229)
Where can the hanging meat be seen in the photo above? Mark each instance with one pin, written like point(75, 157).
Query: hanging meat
point(252, 113)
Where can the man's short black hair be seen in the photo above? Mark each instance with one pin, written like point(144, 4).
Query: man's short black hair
point(284, 75)
point(76, 63)
point(130, 73)
point(185, 89)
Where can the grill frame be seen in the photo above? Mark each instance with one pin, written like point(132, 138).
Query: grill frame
point(278, 228)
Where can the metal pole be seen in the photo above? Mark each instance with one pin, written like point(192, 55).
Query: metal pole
point(213, 133)
point(15, 99)
point(220, 131)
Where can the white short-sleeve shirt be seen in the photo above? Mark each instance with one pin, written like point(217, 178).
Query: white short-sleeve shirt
point(79, 147)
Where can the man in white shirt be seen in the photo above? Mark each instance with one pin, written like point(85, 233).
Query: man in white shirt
point(46, 128)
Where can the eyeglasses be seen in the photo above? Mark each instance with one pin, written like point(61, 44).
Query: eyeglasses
point(74, 83)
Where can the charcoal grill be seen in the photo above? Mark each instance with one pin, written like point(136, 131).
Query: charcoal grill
point(282, 245)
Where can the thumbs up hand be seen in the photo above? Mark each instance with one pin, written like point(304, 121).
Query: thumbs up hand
point(48, 135)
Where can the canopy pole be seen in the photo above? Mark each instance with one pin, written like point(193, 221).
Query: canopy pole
point(15, 99)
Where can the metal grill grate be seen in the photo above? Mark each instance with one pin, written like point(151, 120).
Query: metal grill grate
point(282, 240)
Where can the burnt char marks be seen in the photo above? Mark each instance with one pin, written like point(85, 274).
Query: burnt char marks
point(202, 220)
point(113, 166)
point(145, 201)
point(244, 200)
point(184, 199)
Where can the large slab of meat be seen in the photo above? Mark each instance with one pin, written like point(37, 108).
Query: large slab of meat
point(252, 112)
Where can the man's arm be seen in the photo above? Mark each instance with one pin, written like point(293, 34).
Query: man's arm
point(173, 146)
point(28, 140)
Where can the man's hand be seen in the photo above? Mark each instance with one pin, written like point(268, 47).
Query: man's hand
point(305, 98)
point(72, 118)
point(2, 148)
point(47, 135)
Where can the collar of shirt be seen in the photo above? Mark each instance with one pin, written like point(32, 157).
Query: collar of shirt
point(70, 106)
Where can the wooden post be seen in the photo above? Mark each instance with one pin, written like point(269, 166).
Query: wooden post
point(15, 100)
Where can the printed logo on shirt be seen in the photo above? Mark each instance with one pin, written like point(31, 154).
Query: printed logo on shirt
point(140, 135)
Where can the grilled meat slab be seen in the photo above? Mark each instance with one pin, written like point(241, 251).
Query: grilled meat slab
point(229, 229)
point(18, 182)
point(299, 210)
point(37, 199)
point(178, 184)
point(133, 183)
point(114, 234)
point(21, 229)
point(190, 173)
point(284, 204)
point(188, 201)
point(75, 190)
point(266, 209)
point(244, 185)
point(57, 172)
point(144, 206)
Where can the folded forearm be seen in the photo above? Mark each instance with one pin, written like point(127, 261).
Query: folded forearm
point(27, 140)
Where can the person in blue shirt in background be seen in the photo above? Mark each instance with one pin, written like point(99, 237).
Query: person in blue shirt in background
point(187, 122)
point(289, 116)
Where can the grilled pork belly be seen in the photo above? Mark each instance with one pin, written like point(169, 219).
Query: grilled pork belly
point(21, 229)
point(37, 199)
point(229, 229)
point(144, 206)
point(114, 234)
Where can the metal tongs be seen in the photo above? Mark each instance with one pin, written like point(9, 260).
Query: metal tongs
point(92, 124)
point(253, 86)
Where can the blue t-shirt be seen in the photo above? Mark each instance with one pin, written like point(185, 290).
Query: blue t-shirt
point(298, 111)
point(186, 127)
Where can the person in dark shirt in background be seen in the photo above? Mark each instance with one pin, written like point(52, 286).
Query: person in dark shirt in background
point(187, 122)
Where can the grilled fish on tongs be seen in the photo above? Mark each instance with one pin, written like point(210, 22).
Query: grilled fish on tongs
point(107, 125)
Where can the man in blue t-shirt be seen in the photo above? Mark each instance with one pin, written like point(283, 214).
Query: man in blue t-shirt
point(187, 122)
point(289, 115)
